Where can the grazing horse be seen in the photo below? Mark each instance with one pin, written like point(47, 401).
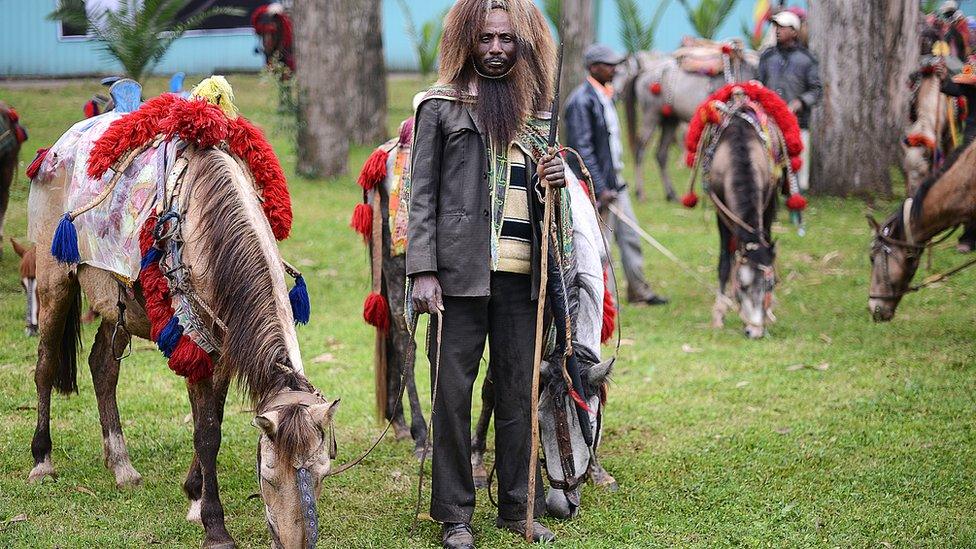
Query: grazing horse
point(11, 137)
point(28, 280)
point(745, 141)
point(942, 201)
point(659, 94)
point(231, 273)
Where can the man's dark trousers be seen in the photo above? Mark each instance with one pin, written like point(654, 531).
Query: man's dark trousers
point(507, 319)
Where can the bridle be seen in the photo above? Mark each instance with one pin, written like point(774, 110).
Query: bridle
point(303, 477)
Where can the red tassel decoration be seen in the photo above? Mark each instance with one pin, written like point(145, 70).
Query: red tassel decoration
point(656, 88)
point(579, 400)
point(689, 200)
point(406, 132)
point(35, 165)
point(796, 202)
point(376, 311)
point(690, 159)
point(248, 143)
point(609, 313)
point(12, 115)
point(190, 361)
point(726, 49)
point(667, 111)
point(374, 170)
point(796, 163)
point(362, 220)
point(91, 109)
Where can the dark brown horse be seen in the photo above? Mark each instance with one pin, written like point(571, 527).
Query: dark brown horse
point(944, 200)
point(9, 150)
point(236, 271)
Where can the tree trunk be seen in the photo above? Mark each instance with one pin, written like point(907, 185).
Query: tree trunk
point(866, 50)
point(323, 47)
point(577, 33)
point(367, 95)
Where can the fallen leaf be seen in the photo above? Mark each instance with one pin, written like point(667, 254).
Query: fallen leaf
point(741, 384)
point(396, 475)
point(784, 430)
point(188, 418)
point(626, 341)
point(827, 258)
point(689, 349)
point(795, 367)
point(306, 262)
point(823, 366)
point(324, 357)
point(826, 339)
point(84, 490)
point(19, 518)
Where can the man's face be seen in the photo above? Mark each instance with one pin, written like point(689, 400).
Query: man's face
point(497, 46)
point(785, 35)
point(603, 72)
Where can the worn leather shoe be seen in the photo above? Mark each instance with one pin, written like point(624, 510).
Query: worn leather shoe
point(540, 534)
point(457, 535)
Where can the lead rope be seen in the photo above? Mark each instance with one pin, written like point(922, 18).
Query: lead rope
point(120, 326)
point(433, 410)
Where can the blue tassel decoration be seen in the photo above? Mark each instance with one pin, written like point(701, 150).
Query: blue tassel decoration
point(169, 337)
point(152, 256)
point(300, 307)
point(64, 247)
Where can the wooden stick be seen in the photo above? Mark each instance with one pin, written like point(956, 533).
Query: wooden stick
point(537, 364)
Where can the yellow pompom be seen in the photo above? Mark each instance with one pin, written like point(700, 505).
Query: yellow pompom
point(217, 91)
point(940, 49)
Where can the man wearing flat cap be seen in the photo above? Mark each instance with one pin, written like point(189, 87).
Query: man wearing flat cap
point(792, 71)
point(593, 129)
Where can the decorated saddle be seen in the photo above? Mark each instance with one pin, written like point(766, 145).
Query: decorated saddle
point(701, 56)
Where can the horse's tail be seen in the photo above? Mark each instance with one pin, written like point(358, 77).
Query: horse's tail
point(630, 110)
point(66, 374)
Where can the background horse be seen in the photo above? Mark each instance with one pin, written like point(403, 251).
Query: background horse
point(742, 182)
point(28, 281)
point(236, 270)
point(659, 95)
point(944, 200)
point(11, 137)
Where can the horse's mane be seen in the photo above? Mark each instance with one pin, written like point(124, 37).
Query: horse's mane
point(254, 350)
point(748, 195)
point(932, 179)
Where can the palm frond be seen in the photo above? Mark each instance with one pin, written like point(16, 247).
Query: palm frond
point(554, 11)
point(634, 32)
point(707, 17)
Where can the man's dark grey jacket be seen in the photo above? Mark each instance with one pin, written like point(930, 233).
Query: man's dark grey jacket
point(586, 131)
point(449, 230)
point(793, 73)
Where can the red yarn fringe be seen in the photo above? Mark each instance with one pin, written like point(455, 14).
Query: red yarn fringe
point(35, 165)
point(796, 163)
point(190, 360)
point(374, 170)
point(406, 131)
point(579, 400)
point(362, 220)
point(609, 313)
point(376, 311)
point(796, 202)
point(766, 98)
point(689, 200)
point(920, 140)
point(12, 115)
point(204, 124)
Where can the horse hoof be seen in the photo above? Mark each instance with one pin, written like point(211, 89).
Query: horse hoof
point(127, 477)
point(401, 431)
point(42, 470)
point(418, 452)
point(219, 544)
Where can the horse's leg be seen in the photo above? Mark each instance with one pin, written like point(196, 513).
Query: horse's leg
point(394, 269)
point(481, 435)
point(669, 130)
point(724, 270)
point(193, 485)
point(7, 165)
point(59, 299)
point(208, 397)
point(649, 126)
point(418, 425)
point(105, 377)
point(394, 366)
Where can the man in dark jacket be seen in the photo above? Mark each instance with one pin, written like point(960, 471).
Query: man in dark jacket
point(593, 129)
point(473, 245)
point(792, 71)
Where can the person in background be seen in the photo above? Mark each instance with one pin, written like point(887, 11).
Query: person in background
point(593, 129)
point(792, 71)
point(963, 85)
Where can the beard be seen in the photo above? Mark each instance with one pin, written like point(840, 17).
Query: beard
point(502, 108)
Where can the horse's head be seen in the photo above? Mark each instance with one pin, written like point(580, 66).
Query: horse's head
point(894, 260)
point(567, 453)
point(754, 281)
point(295, 453)
point(28, 280)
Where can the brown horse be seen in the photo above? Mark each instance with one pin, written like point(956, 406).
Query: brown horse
point(743, 184)
point(943, 200)
point(28, 281)
point(8, 162)
point(236, 271)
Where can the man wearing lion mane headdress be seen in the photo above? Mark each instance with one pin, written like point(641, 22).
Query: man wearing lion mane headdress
point(473, 246)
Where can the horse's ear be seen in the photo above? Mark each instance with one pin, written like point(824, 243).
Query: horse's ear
point(873, 223)
point(322, 413)
point(18, 248)
point(599, 372)
point(268, 423)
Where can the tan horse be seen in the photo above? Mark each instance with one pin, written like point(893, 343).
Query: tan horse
point(28, 281)
point(237, 272)
point(942, 201)
point(927, 134)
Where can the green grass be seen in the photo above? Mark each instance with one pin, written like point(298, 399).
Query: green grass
point(725, 446)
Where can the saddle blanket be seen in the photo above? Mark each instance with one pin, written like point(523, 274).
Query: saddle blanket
point(108, 234)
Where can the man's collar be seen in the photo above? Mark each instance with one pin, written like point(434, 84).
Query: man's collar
point(605, 90)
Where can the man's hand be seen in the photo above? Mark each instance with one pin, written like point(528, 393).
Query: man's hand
point(426, 296)
point(552, 170)
point(607, 196)
point(941, 70)
point(796, 106)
